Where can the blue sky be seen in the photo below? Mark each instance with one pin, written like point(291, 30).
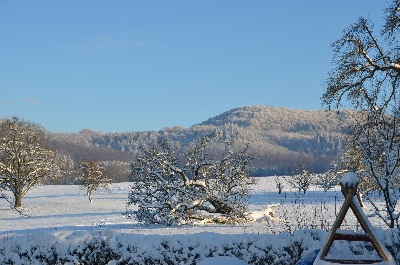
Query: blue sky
point(117, 66)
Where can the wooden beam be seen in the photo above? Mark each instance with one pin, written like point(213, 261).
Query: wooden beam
point(369, 236)
point(339, 219)
point(352, 237)
point(350, 261)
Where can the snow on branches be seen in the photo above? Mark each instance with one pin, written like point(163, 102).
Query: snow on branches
point(366, 78)
point(91, 177)
point(193, 187)
point(25, 160)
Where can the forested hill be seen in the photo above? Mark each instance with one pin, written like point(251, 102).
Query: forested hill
point(279, 138)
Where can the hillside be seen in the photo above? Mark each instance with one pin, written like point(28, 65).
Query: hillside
point(287, 136)
point(279, 138)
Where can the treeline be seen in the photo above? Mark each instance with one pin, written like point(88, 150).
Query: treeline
point(279, 138)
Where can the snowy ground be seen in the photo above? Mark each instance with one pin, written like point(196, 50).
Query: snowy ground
point(63, 213)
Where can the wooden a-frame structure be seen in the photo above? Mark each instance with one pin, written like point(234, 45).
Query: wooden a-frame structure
point(349, 191)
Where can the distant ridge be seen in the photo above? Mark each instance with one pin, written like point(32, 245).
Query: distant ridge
point(278, 137)
point(244, 116)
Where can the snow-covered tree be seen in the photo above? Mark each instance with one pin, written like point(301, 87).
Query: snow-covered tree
point(169, 189)
point(301, 179)
point(366, 78)
point(377, 139)
point(90, 176)
point(25, 161)
point(327, 180)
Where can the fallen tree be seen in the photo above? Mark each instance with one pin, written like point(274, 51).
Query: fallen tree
point(196, 187)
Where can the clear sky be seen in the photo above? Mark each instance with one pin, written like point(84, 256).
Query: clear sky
point(125, 65)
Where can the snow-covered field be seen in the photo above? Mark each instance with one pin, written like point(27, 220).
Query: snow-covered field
point(62, 227)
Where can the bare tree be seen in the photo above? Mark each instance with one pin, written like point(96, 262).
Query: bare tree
point(366, 78)
point(91, 177)
point(25, 161)
point(167, 190)
point(279, 184)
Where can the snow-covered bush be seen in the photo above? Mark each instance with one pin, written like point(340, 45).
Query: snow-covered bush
point(195, 187)
point(115, 248)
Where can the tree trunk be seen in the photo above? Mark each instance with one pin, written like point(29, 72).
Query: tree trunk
point(90, 195)
point(360, 200)
point(18, 200)
point(221, 207)
point(392, 222)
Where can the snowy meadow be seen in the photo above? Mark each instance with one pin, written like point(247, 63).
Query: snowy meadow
point(61, 226)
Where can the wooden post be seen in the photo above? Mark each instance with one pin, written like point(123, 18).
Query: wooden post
point(339, 220)
point(349, 191)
